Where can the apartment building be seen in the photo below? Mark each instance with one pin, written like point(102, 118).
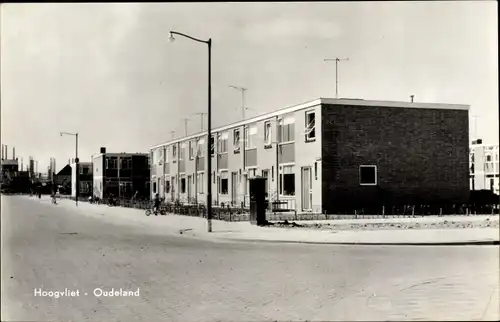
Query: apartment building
point(325, 155)
point(120, 174)
point(484, 166)
point(85, 178)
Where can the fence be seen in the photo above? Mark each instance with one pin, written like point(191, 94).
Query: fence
point(234, 214)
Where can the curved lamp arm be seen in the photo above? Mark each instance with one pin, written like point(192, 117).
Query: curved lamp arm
point(172, 33)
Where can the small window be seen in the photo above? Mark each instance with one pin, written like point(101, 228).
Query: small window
point(368, 175)
point(267, 133)
point(310, 130)
point(154, 187)
point(174, 152)
point(236, 141)
point(488, 158)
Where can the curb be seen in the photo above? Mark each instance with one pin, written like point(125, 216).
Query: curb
point(466, 243)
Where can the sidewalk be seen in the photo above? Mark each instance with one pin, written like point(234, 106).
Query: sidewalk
point(244, 231)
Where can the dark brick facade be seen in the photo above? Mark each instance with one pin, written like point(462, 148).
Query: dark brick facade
point(421, 156)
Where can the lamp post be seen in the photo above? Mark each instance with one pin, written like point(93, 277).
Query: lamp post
point(77, 162)
point(209, 123)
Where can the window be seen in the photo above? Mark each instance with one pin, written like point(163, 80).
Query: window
point(368, 175)
point(492, 184)
point(488, 158)
point(200, 151)
point(111, 163)
point(182, 152)
point(174, 152)
point(267, 133)
point(287, 181)
point(212, 145)
point(224, 183)
point(126, 163)
point(167, 155)
point(250, 135)
point(310, 130)
point(222, 142)
point(154, 187)
point(265, 174)
point(286, 129)
point(191, 150)
point(167, 185)
point(172, 186)
point(199, 181)
point(236, 140)
point(183, 184)
point(85, 170)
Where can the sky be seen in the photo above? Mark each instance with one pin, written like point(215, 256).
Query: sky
point(108, 71)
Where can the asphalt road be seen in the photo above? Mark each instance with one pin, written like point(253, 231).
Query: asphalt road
point(184, 279)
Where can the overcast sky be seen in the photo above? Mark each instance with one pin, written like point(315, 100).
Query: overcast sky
point(108, 71)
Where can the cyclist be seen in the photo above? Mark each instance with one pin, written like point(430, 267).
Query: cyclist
point(156, 206)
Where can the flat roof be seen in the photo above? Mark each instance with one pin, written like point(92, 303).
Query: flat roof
point(316, 102)
point(122, 154)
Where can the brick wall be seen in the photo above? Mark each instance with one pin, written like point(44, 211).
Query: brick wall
point(421, 156)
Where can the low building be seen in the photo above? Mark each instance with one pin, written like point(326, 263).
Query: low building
point(63, 179)
point(484, 166)
point(121, 174)
point(85, 178)
point(326, 155)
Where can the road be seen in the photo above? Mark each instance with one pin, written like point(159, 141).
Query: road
point(185, 279)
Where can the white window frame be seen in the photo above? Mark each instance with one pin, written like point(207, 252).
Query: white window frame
point(281, 127)
point(222, 139)
point(310, 127)
point(200, 150)
point(236, 144)
point(282, 180)
point(191, 150)
point(376, 175)
point(200, 178)
point(268, 133)
point(223, 175)
point(250, 138)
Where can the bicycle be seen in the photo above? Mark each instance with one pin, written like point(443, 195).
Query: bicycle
point(156, 211)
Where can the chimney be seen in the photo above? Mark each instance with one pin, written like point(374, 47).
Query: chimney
point(14, 153)
point(412, 97)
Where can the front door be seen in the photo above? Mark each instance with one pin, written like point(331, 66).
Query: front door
point(306, 188)
point(265, 174)
point(234, 187)
point(189, 181)
point(172, 188)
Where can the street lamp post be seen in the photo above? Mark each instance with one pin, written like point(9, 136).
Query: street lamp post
point(209, 123)
point(77, 162)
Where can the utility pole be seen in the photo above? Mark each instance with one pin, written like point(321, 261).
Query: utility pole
point(201, 119)
point(337, 60)
point(242, 90)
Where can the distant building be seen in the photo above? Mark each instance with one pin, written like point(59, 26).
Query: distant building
point(484, 166)
point(63, 179)
point(120, 174)
point(85, 178)
point(327, 155)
